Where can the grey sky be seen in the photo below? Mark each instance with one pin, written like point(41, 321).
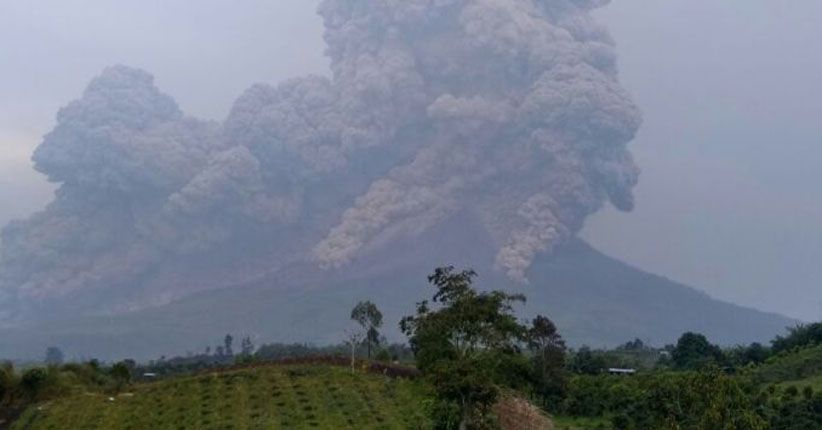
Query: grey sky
point(729, 200)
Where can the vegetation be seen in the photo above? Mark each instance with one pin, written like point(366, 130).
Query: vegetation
point(801, 336)
point(791, 366)
point(549, 374)
point(467, 348)
point(756, 388)
point(665, 400)
point(476, 364)
point(275, 397)
point(693, 352)
point(21, 388)
point(369, 317)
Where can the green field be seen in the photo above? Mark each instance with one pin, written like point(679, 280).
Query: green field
point(272, 397)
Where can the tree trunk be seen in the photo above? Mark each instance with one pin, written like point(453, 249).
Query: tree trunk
point(353, 356)
point(465, 419)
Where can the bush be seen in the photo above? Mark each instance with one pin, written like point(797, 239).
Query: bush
point(6, 381)
point(383, 355)
point(121, 375)
point(788, 410)
point(705, 400)
point(33, 383)
point(801, 336)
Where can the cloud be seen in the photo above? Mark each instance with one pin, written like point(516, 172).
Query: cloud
point(507, 111)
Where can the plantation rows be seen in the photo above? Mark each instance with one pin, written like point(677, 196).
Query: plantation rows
point(291, 397)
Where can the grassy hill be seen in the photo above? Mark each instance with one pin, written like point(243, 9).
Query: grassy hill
point(800, 367)
point(270, 397)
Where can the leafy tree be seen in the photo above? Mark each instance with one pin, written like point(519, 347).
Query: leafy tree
point(634, 345)
point(707, 400)
point(693, 351)
point(121, 374)
point(586, 362)
point(369, 317)
point(550, 378)
point(54, 356)
point(799, 337)
point(754, 353)
point(663, 400)
point(467, 345)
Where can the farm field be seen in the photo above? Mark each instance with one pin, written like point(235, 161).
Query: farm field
point(272, 397)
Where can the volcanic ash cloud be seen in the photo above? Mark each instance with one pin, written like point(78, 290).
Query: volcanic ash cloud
point(507, 111)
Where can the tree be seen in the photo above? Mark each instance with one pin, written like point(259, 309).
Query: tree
point(704, 400)
point(755, 353)
point(247, 347)
point(354, 338)
point(587, 362)
point(54, 356)
point(369, 317)
point(799, 337)
point(6, 380)
point(121, 374)
point(635, 345)
point(228, 341)
point(550, 378)
point(693, 351)
point(32, 382)
point(467, 345)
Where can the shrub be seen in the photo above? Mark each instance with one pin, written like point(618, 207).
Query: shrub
point(6, 381)
point(33, 382)
point(383, 356)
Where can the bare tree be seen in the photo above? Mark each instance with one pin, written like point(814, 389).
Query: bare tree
point(354, 338)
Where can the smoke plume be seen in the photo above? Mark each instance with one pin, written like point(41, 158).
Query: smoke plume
point(508, 111)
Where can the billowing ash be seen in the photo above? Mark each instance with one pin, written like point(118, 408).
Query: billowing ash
point(508, 111)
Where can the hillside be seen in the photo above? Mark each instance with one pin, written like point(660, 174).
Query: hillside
point(594, 299)
point(800, 367)
point(272, 397)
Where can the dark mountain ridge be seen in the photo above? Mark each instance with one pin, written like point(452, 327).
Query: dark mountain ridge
point(594, 299)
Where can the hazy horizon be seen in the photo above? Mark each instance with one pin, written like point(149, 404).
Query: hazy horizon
point(727, 201)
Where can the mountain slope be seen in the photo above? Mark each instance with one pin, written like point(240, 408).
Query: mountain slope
point(594, 299)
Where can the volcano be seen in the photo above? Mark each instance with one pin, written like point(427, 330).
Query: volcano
point(595, 300)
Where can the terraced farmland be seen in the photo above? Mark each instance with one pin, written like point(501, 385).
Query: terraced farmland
point(274, 397)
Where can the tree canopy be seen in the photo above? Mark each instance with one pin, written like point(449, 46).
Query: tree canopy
point(467, 343)
point(694, 351)
point(369, 317)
